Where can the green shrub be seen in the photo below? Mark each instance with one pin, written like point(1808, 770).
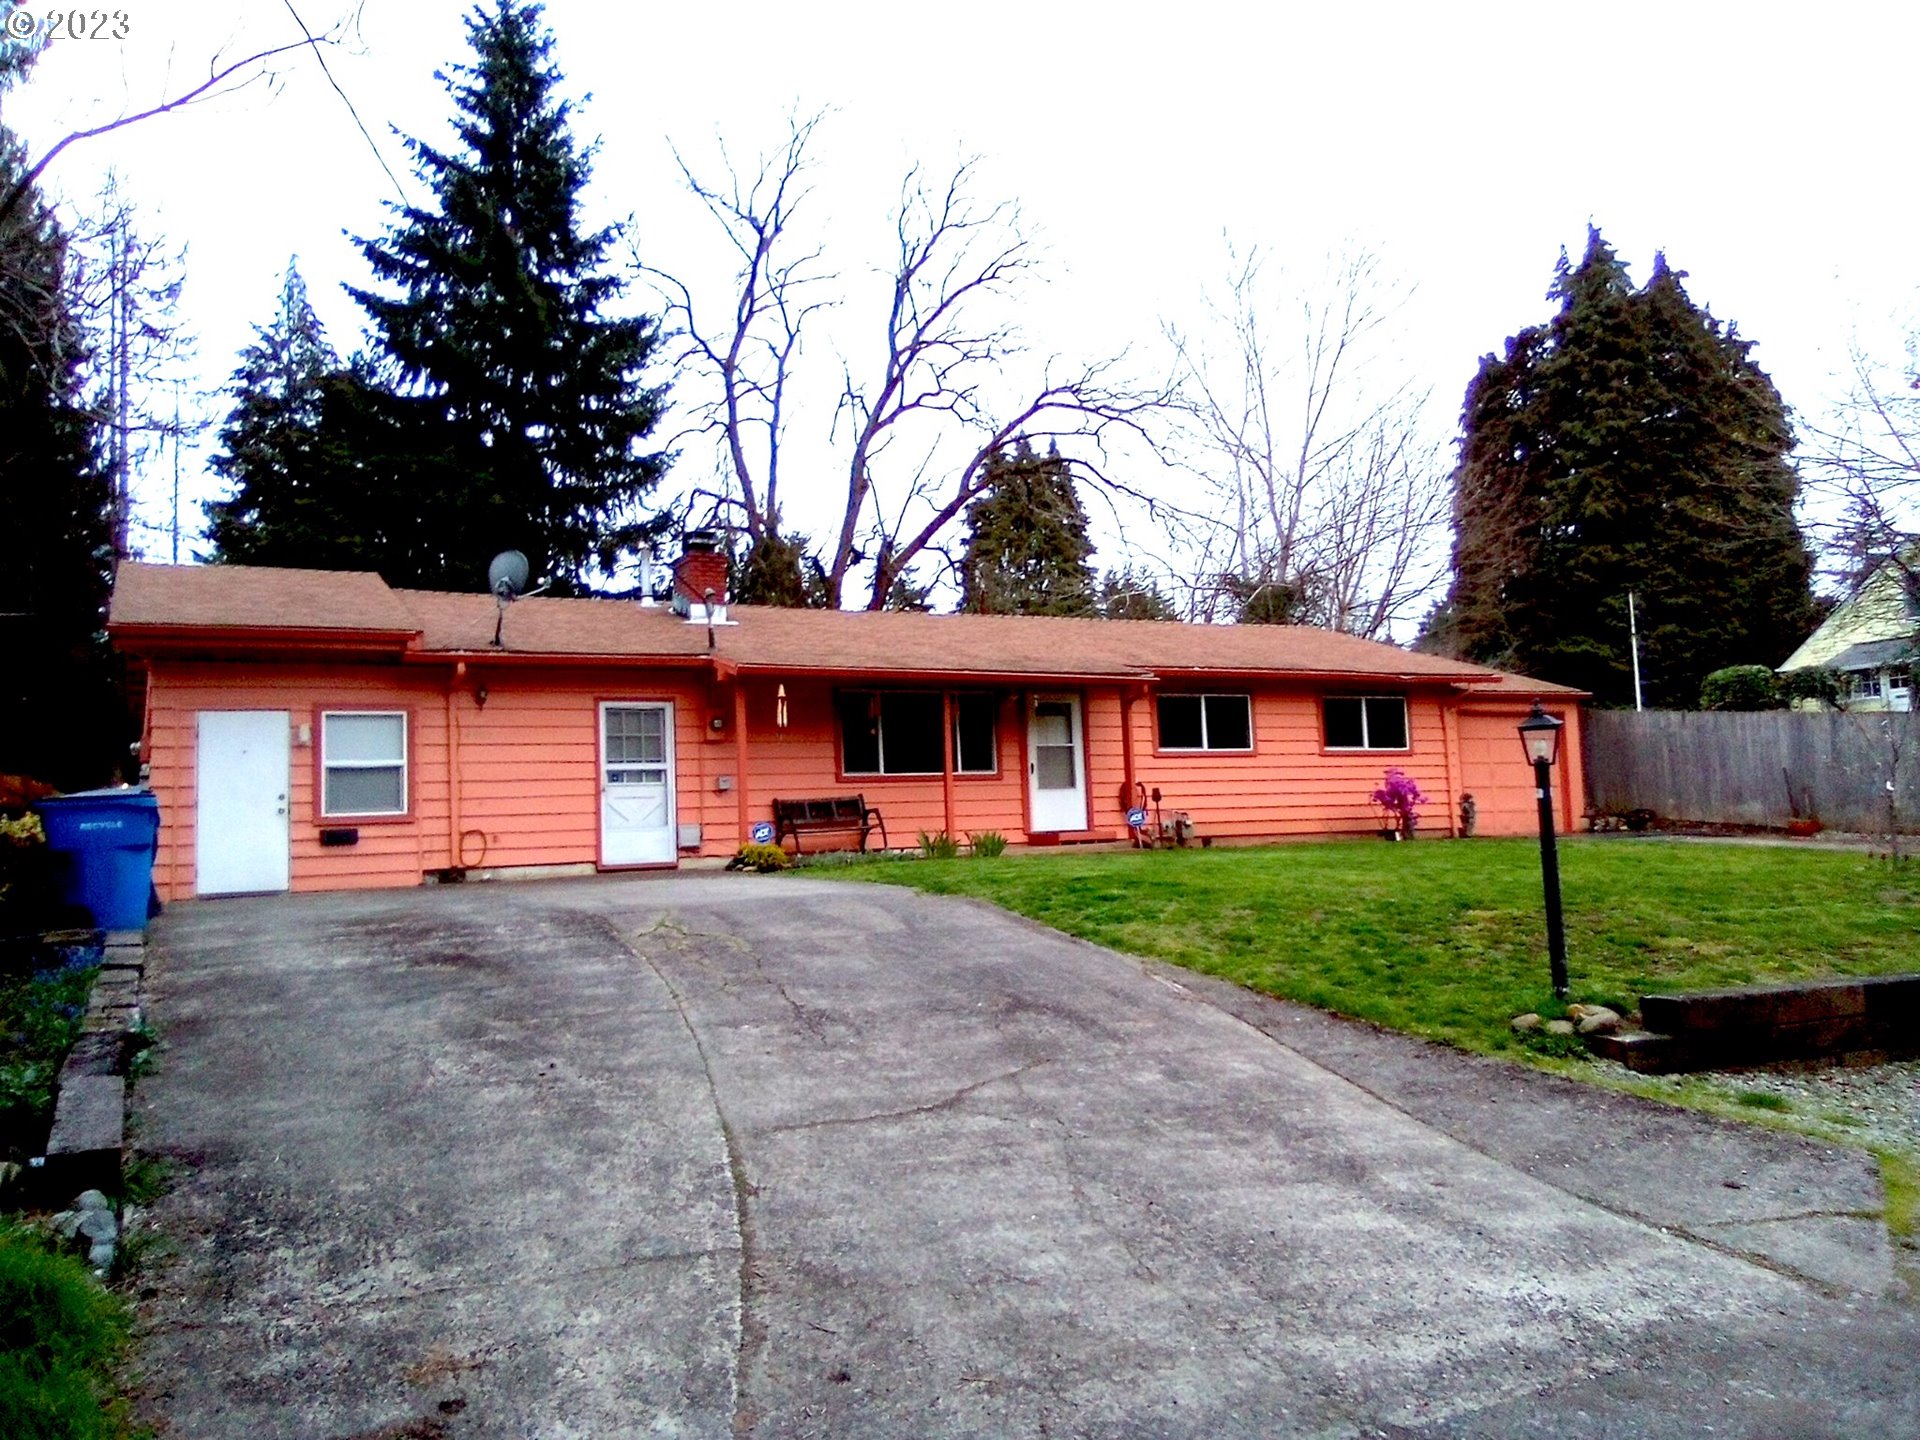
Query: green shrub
point(61, 1335)
point(939, 845)
point(761, 859)
point(39, 1021)
point(1814, 683)
point(1741, 687)
point(987, 843)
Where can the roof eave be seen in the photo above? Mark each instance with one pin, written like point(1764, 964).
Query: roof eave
point(147, 638)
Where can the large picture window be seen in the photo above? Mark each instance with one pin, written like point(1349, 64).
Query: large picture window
point(363, 763)
point(1205, 722)
point(897, 732)
point(1365, 722)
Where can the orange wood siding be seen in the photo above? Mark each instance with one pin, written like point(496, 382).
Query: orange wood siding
point(529, 762)
point(1494, 770)
point(529, 783)
point(1291, 784)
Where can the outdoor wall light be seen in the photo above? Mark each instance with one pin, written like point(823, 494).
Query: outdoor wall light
point(1540, 738)
point(717, 723)
point(480, 696)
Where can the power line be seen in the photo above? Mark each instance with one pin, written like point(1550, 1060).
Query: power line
point(327, 70)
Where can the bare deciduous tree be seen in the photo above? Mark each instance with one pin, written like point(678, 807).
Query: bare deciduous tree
point(917, 429)
point(1866, 462)
point(749, 356)
point(941, 390)
point(1331, 492)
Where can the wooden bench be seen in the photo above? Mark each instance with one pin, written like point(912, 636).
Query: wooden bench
point(837, 812)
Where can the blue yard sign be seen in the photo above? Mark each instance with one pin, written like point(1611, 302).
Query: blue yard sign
point(1137, 817)
point(762, 833)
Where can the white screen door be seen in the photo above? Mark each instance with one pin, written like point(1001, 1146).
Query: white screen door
point(1056, 764)
point(638, 823)
point(241, 770)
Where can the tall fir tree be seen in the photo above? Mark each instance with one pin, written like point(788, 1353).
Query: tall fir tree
point(1629, 446)
point(286, 505)
point(1027, 547)
point(61, 716)
point(507, 407)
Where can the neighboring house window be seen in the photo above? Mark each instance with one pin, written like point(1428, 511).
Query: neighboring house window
point(363, 763)
point(1205, 722)
point(891, 732)
point(1365, 722)
point(974, 750)
point(1863, 684)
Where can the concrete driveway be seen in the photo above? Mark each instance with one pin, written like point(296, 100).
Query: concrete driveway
point(719, 1155)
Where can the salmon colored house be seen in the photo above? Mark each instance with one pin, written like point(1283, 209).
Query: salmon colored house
point(315, 730)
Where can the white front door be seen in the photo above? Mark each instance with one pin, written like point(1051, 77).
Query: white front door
point(1056, 764)
point(241, 772)
point(638, 822)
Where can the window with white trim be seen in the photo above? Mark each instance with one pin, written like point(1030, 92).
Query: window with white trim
point(1365, 722)
point(1205, 722)
point(1863, 684)
point(363, 763)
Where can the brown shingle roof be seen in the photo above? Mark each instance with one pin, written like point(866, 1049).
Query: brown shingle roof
point(845, 642)
point(254, 597)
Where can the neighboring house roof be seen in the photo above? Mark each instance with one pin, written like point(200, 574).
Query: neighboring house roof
point(1882, 609)
point(195, 606)
point(1872, 655)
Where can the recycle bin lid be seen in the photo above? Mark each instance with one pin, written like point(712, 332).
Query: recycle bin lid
point(110, 792)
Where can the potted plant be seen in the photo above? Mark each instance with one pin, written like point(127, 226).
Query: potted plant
point(1398, 798)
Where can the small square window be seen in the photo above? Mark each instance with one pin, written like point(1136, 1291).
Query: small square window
point(363, 763)
point(1365, 722)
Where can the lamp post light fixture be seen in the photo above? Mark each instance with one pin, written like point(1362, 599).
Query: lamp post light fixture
point(1540, 737)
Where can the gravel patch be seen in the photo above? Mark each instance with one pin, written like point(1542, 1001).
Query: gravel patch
point(1873, 1105)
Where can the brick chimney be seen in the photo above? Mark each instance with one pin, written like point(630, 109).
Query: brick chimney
point(701, 567)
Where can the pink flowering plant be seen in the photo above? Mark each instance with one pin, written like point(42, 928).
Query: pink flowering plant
point(1398, 797)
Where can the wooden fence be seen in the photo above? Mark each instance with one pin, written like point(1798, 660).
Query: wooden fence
point(1756, 768)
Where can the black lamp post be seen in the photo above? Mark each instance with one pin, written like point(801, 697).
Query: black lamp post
point(1540, 737)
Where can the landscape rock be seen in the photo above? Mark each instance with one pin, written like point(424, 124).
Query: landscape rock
point(1559, 1027)
point(1599, 1021)
point(1526, 1022)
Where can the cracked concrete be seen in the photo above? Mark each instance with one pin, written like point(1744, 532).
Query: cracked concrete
point(777, 1157)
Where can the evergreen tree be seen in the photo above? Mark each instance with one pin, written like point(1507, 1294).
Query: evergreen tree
point(1129, 595)
point(1631, 445)
point(61, 719)
point(285, 507)
point(777, 570)
point(1027, 548)
point(520, 410)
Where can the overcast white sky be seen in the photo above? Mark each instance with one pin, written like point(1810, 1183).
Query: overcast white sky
point(1766, 148)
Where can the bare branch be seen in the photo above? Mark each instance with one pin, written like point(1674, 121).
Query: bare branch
point(1328, 487)
point(218, 75)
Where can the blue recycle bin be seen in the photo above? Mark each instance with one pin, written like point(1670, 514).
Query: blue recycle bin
point(108, 838)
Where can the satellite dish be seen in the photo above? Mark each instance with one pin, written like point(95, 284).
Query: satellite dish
point(507, 576)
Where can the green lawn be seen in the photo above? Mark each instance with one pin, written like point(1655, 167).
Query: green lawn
point(1446, 939)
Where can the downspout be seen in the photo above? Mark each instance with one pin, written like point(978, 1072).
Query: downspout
point(946, 767)
point(1127, 698)
point(740, 784)
point(1450, 759)
point(454, 856)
